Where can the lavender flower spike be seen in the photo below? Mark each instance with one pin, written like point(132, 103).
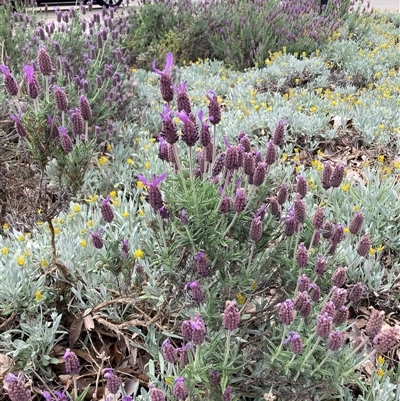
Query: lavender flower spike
point(214, 108)
point(155, 197)
point(33, 84)
point(18, 124)
point(9, 81)
point(166, 84)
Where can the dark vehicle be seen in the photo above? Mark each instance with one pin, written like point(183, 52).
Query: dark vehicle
point(107, 3)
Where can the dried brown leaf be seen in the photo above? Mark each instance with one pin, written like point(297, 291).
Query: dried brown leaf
point(75, 330)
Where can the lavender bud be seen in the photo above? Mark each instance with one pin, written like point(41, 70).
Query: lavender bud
point(239, 203)
point(337, 175)
point(245, 142)
point(218, 164)
point(274, 207)
point(320, 265)
point(326, 175)
point(279, 133)
point(299, 208)
point(18, 124)
point(290, 226)
point(282, 194)
point(324, 325)
point(248, 164)
point(341, 315)
point(180, 391)
point(338, 234)
point(316, 238)
point(335, 341)
point(328, 229)
point(78, 125)
point(364, 245)
point(66, 142)
point(166, 88)
point(215, 378)
point(187, 330)
point(356, 223)
point(60, 98)
point(338, 297)
point(201, 264)
point(44, 61)
point(85, 108)
point(205, 136)
point(97, 241)
point(164, 212)
point(72, 365)
point(17, 391)
point(302, 256)
point(106, 210)
point(256, 229)
point(198, 330)
point(184, 220)
point(303, 283)
point(156, 394)
point(227, 396)
point(169, 352)
point(197, 292)
point(318, 218)
point(270, 156)
point(286, 312)
point(329, 308)
point(315, 294)
point(231, 317)
point(301, 186)
point(356, 292)
point(259, 174)
point(214, 108)
point(386, 339)
point(339, 277)
point(155, 197)
point(225, 206)
point(182, 100)
point(183, 355)
point(231, 158)
point(9, 81)
point(112, 381)
point(296, 344)
point(375, 323)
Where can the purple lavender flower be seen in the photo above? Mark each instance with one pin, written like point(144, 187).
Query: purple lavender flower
point(339, 277)
point(324, 325)
point(270, 155)
point(225, 206)
point(197, 292)
point(97, 241)
point(78, 125)
point(386, 339)
point(248, 164)
point(259, 174)
point(279, 133)
point(9, 81)
point(290, 225)
point(296, 344)
point(218, 164)
point(231, 318)
point(184, 355)
point(106, 210)
point(124, 248)
point(274, 207)
point(286, 312)
point(318, 218)
point(326, 175)
point(169, 129)
point(335, 340)
point(201, 264)
point(84, 107)
point(166, 84)
point(320, 265)
point(163, 149)
point(303, 283)
point(44, 61)
point(301, 186)
point(338, 297)
point(375, 323)
point(72, 365)
point(17, 391)
point(302, 256)
point(60, 98)
point(337, 175)
point(189, 130)
point(180, 391)
point(33, 84)
point(66, 142)
point(184, 219)
point(156, 394)
point(239, 203)
point(187, 331)
point(215, 378)
point(112, 381)
point(282, 195)
point(256, 229)
point(227, 395)
point(198, 330)
point(299, 208)
point(164, 212)
point(18, 124)
point(244, 141)
point(356, 223)
point(356, 292)
point(341, 315)
point(364, 245)
point(205, 136)
point(170, 353)
point(182, 100)
point(155, 197)
point(329, 308)
point(54, 131)
point(214, 108)
point(315, 294)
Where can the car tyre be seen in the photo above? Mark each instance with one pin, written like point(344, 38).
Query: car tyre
point(109, 3)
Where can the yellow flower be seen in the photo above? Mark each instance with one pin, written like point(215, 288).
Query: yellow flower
point(313, 109)
point(254, 285)
point(115, 202)
point(140, 212)
point(61, 221)
point(356, 208)
point(92, 199)
point(380, 360)
point(113, 194)
point(125, 214)
point(397, 164)
point(138, 254)
point(130, 161)
point(56, 230)
point(296, 158)
point(240, 299)
point(380, 372)
point(21, 238)
point(102, 160)
point(20, 260)
point(70, 216)
point(284, 157)
point(380, 248)
point(76, 208)
point(346, 230)
point(152, 140)
point(372, 251)
point(381, 158)
point(108, 147)
point(147, 165)
point(345, 186)
point(90, 223)
point(83, 243)
point(5, 226)
point(169, 381)
point(297, 169)
point(311, 184)
point(4, 250)
point(44, 263)
point(139, 185)
point(38, 296)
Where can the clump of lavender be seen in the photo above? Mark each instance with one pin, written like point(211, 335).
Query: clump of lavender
point(155, 196)
point(9, 81)
point(196, 291)
point(112, 381)
point(19, 127)
point(16, 389)
point(170, 353)
point(97, 241)
point(106, 210)
point(231, 317)
point(201, 264)
point(72, 364)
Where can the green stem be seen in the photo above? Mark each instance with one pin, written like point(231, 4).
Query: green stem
point(192, 184)
point(276, 354)
point(227, 347)
point(162, 231)
point(178, 164)
point(230, 225)
point(251, 255)
point(328, 354)
point(74, 378)
point(307, 357)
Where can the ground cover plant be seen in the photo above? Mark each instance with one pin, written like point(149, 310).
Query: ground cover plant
point(228, 235)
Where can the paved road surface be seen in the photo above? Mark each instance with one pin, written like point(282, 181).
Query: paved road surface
point(392, 5)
